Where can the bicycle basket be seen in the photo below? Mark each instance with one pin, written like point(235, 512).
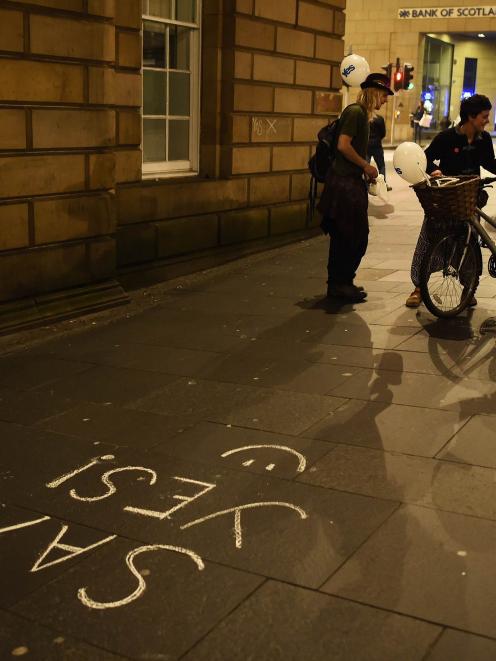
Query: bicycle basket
point(450, 203)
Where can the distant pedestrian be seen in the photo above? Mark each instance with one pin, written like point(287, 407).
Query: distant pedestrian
point(344, 200)
point(417, 115)
point(375, 150)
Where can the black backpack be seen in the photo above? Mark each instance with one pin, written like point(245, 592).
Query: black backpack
point(321, 161)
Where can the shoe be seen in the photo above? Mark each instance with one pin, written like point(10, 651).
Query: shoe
point(415, 299)
point(346, 292)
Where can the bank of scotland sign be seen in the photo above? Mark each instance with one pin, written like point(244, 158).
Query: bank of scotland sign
point(482, 11)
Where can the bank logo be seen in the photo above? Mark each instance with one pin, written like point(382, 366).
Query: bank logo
point(348, 70)
point(404, 13)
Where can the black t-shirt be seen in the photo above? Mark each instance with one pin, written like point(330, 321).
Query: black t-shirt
point(457, 156)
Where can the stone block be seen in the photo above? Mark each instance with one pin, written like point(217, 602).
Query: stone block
point(89, 40)
point(172, 199)
point(254, 34)
point(315, 17)
point(250, 159)
point(329, 103)
point(40, 270)
point(128, 13)
point(242, 64)
point(185, 235)
point(295, 42)
point(269, 189)
point(306, 129)
point(11, 31)
point(290, 158)
point(253, 98)
point(246, 225)
point(66, 5)
point(25, 80)
point(328, 48)
point(128, 165)
point(313, 74)
point(273, 69)
point(288, 218)
point(288, 100)
point(101, 84)
point(128, 89)
point(339, 22)
point(240, 128)
point(102, 170)
point(73, 128)
point(244, 6)
point(65, 219)
point(12, 129)
point(271, 129)
point(102, 7)
point(300, 185)
point(101, 258)
point(336, 80)
point(129, 127)
point(14, 226)
point(21, 176)
point(129, 49)
point(136, 244)
point(275, 10)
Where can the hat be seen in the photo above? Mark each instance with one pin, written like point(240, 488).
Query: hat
point(379, 81)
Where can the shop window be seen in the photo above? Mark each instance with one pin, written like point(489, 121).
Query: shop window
point(171, 87)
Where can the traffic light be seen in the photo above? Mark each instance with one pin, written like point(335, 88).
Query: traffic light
point(388, 68)
point(407, 77)
point(398, 79)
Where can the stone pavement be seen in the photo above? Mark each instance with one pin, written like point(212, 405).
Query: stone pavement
point(239, 470)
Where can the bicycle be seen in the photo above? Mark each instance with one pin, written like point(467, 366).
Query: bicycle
point(450, 270)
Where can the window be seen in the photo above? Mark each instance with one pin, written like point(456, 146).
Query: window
point(171, 86)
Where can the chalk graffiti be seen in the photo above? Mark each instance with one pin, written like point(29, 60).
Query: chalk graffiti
point(302, 464)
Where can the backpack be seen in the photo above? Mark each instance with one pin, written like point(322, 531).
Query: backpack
point(321, 161)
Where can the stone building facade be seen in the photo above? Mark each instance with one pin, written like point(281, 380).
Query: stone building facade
point(383, 31)
point(80, 218)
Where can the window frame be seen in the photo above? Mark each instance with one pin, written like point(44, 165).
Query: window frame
point(166, 169)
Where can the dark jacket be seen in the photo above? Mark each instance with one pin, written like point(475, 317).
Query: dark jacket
point(456, 156)
point(377, 131)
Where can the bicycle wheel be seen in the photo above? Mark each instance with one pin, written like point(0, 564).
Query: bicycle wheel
point(449, 274)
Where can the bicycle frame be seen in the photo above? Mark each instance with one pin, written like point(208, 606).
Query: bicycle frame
point(475, 223)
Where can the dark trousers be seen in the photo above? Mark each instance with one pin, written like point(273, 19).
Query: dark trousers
point(377, 153)
point(345, 254)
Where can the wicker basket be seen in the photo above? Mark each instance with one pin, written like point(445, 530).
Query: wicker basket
point(452, 203)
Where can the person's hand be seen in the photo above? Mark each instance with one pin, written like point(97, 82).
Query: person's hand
point(436, 173)
point(371, 172)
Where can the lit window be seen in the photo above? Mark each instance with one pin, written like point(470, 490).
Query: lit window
point(171, 86)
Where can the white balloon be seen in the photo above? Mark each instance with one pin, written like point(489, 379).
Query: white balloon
point(354, 70)
point(410, 162)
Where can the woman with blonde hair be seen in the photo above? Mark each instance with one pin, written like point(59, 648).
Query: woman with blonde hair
point(344, 200)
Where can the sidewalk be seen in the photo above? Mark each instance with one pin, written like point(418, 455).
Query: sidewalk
point(232, 469)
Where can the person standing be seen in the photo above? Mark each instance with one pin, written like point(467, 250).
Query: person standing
point(461, 150)
point(416, 117)
point(375, 150)
point(344, 200)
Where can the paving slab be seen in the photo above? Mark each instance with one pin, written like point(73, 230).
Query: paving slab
point(243, 406)
point(474, 444)
point(310, 625)
point(247, 450)
point(389, 427)
point(430, 564)
point(443, 485)
point(463, 646)
point(20, 637)
point(179, 598)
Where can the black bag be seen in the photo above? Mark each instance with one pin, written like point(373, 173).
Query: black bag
point(321, 161)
